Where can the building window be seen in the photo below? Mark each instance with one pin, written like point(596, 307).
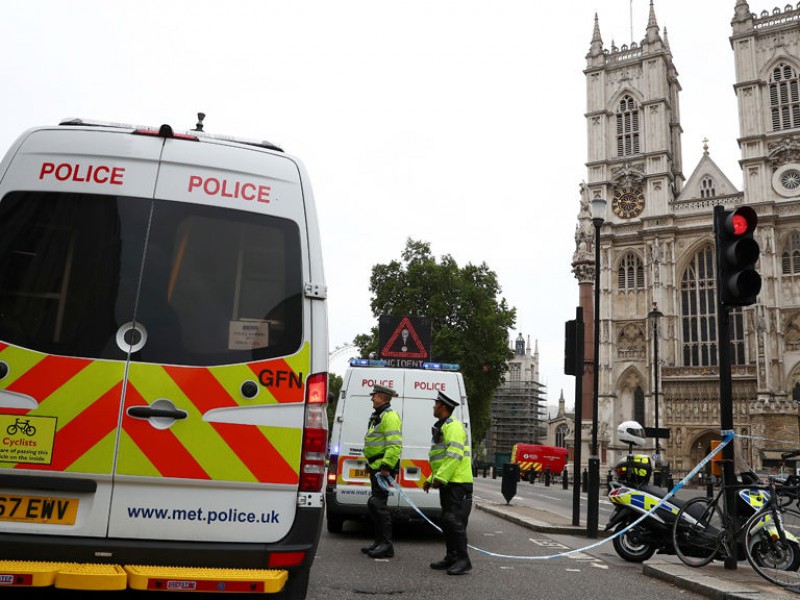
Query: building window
point(638, 406)
point(707, 189)
point(561, 436)
point(796, 392)
point(627, 127)
point(790, 257)
point(784, 97)
point(699, 315)
point(631, 273)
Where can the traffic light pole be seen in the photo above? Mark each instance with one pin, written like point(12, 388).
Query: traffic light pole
point(579, 368)
point(725, 394)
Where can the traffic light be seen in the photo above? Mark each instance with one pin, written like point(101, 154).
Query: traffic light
point(738, 283)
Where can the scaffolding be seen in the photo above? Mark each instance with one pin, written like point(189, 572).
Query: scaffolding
point(518, 415)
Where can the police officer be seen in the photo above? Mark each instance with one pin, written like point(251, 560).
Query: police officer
point(451, 463)
point(382, 446)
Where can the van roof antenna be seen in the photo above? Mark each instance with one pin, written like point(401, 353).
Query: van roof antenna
point(199, 126)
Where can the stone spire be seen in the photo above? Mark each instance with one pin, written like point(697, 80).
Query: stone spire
point(652, 26)
point(596, 47)
point(742, 17)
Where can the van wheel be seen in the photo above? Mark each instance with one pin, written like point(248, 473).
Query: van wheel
point(335, 524)
point(296, 587)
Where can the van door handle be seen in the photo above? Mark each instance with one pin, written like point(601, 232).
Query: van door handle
point(147, 412)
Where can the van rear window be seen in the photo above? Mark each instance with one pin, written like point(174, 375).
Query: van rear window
point(206, 285)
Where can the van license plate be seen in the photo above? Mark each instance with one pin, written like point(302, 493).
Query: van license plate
point(359, 474)
point(38, 509)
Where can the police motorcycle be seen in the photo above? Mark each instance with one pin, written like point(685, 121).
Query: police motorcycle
point(633, 496)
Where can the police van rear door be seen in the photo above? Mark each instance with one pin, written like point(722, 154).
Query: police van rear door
point(212, 421)
point(74, 206)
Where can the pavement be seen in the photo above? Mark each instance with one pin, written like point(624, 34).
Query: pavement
point(713, 580)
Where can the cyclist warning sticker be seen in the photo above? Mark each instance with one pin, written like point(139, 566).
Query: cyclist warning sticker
point(27, 439)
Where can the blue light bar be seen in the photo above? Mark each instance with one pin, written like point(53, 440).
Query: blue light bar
point(366, 362)
point(441, 366)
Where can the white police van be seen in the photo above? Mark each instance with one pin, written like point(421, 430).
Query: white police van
point(348, 487)
point(163, 362)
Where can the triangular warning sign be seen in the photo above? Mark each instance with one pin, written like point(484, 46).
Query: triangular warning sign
point(404, 342)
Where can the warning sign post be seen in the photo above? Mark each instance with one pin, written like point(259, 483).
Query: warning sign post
point(404, 341)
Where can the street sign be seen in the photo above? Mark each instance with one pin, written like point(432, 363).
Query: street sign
point(661, 433)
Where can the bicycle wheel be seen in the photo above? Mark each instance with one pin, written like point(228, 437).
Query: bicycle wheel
point(772, 545)
point(697, 532)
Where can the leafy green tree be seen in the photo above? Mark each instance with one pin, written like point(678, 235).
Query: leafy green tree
point(470, 321)
point(334, 387)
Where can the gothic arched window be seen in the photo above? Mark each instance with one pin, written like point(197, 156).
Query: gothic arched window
point(561, 436)
point(699, 315)
point(638, 406)
point(790, 256)
point(784, 97)
point(707, 189)
point(630, 273)
point(627, 127)
point(796, 392)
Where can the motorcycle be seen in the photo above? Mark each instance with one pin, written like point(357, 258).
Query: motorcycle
point(633, 496)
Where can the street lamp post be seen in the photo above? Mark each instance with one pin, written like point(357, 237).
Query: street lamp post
point(593, 493)
point(654, 316)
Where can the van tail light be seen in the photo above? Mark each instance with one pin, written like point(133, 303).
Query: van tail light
point(278, 560)
point(333, 469)
point(315, 434)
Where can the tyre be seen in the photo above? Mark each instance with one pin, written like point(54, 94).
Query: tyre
point(296, 588)
point(697, 532)
point(629, 546)
point(772, 546)
point(334, 523)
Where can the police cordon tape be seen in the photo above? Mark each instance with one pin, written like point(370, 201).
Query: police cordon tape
point(386, 482)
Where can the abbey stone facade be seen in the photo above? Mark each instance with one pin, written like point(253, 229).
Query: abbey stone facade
point(657, 246)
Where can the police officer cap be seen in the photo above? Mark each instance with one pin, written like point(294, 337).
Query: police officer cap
point(382, 389)
point(446, 400)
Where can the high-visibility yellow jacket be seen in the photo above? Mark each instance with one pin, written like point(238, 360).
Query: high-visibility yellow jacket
point(383, 442)
point(450, 455)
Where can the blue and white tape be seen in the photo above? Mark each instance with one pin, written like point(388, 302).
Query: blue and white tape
point(386, 482)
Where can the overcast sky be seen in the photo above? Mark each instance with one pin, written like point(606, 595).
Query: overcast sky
point(459, 123)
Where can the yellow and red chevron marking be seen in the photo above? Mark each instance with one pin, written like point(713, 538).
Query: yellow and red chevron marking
point(530, 466)
point(423, 465)
point(84, 395)
point(425, 471)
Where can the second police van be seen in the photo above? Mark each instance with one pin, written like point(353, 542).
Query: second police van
point(163, 362)
point(348, 486)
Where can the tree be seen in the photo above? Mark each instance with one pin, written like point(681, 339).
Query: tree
point(470, 321)
point(334, 387)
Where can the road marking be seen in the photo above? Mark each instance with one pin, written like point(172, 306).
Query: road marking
point(593, 561)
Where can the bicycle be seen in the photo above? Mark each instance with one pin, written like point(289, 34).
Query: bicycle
point(23, 426)
point(769, 536)
point(772, 536)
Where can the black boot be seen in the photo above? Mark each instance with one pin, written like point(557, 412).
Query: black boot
point(461, 566)
point(368, 549)
point(383, 550)
point(445, 563)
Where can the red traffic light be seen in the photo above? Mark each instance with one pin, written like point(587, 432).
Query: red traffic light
point(738, 283)
point(739, 225)
point(740, 222)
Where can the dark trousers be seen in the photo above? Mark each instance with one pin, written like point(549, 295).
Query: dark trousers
point(456, 502)
point(379, 510)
